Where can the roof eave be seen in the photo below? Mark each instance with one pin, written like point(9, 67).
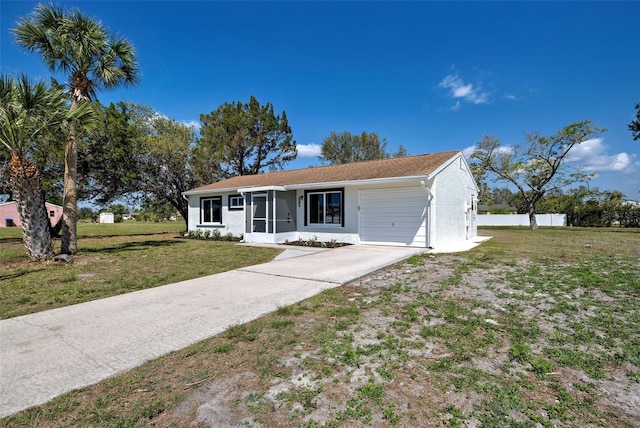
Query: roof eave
point(317, 185)
point(445, 164)
point(357, 182)
point(203, 191)
point(261, 189)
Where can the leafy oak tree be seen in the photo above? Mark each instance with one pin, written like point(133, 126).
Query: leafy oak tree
point(143, 157)
point(164, 168)
point(109, 160)
point(538, 166)
point(343, 147)
point(243, 139)
point(480, 175)
point(92, 58)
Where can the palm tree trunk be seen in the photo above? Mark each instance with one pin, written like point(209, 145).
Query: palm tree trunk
point(69, 243)
point(26, 184)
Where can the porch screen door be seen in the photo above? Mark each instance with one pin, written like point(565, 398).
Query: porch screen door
point(259, 211)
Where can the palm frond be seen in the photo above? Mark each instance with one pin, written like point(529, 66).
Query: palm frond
point(27, 111)
point(79, 46)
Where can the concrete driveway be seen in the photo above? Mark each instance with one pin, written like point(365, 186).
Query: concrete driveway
point(46, 354)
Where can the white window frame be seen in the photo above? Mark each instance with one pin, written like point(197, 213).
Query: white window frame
point(236, 202)
point(324, 194)
point(203, 201)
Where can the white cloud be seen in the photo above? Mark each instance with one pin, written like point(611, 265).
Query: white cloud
point(308, 150)
point(467, 91)
point(501, 150)
point(507, 150)
point(593, 157)
point(467, 152)
point(157, 115)
point(195, 124)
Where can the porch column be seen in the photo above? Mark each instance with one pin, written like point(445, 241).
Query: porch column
point(274, 215)
point(244, 212)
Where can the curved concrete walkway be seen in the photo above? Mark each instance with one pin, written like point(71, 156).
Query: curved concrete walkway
point(46, 354)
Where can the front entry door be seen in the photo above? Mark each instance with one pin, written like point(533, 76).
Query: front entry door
point(259, 212)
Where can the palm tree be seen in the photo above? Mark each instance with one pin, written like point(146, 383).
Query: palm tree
point(83, 49)
point(27, 113)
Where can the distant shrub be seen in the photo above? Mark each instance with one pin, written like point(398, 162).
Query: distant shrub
point(314, 242)
point(211, 235)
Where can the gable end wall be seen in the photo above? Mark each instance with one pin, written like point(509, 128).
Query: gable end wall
point(454, 189)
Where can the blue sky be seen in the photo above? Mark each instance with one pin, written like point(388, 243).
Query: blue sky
point(431, 76)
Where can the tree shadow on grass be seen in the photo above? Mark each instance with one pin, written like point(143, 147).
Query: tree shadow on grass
point(130, 246)
point(19, 273)
point(11, 240)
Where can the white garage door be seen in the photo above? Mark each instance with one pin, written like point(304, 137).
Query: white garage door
point(393, 216)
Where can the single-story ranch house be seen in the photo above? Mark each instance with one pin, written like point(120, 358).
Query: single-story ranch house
point(420, 201)
point(9, 216)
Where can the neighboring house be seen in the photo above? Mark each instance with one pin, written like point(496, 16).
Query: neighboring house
point(106, 218)
point(9, 214)
point(420, 201)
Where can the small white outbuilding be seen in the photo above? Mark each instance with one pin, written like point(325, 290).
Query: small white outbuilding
point(106, 218)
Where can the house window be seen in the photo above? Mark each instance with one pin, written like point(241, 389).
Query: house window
point(211, 210)
point(325, 207)
point(236, 202)
point(52, 213)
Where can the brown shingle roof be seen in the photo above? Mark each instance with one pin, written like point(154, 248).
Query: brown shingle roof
point(409, 166)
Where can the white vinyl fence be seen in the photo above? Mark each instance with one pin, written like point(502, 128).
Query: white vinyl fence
point(521, 219)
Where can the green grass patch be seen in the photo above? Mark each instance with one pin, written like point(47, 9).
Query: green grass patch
point(244, 332)
point(305, 395)
point(359, 408)
point(108, 266)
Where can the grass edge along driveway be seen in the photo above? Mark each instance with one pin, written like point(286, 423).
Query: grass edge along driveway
point(108, 266)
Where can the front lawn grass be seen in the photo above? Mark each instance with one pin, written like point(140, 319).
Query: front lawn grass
point(529, 329)
point(130, 227)
point(110, 265)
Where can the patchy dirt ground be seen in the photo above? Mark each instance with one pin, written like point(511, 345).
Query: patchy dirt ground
point(527, 330)
point(438, 341)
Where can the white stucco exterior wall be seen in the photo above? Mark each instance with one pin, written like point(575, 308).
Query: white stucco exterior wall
point(350, 232)
point(454, 191)
point(327, 233)
point(232, 220)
